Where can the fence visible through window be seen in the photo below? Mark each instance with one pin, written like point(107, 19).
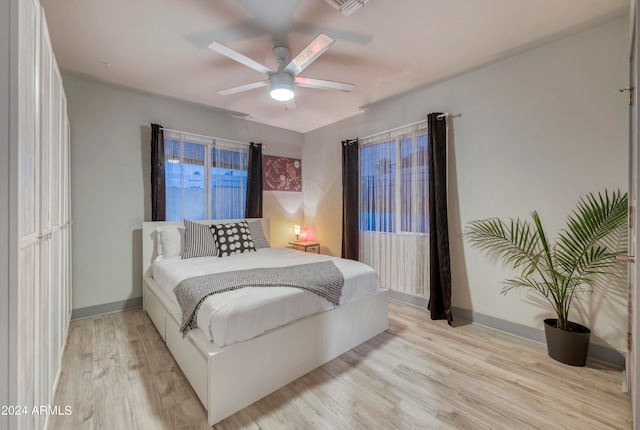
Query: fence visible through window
point(195, 192)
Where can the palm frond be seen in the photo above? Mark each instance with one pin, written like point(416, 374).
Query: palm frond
point(595, 218)
point(546, 289)
point(525, 282)
point(516, 243)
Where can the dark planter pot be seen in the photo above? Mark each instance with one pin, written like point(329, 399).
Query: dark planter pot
point(568, 347)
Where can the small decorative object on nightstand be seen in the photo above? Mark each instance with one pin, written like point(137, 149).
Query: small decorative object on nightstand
point(313, 247)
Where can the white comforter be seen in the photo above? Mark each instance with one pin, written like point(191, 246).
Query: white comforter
point(242, 314)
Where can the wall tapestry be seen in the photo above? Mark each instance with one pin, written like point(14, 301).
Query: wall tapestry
point(281, 174)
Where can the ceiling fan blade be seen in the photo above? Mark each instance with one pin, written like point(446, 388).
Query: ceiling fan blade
point(240, 58)
point(322, 84)
point(245, 87)
point(312, 51)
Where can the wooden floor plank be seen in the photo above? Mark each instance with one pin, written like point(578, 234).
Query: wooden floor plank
point(419, 374)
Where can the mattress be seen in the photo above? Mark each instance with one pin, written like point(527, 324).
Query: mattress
point(242, 314)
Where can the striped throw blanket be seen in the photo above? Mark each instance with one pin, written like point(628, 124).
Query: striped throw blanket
point(322, 278)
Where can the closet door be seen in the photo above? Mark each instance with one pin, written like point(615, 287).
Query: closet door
point(66, 216)
point(40, 255)
point(56, 257)
point(28, 219)
point(46, 144)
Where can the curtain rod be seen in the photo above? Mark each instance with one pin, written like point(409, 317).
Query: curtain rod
point(393, 129)
point(209, 137)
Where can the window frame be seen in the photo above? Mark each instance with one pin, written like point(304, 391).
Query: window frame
point(209, 145)
point(397, 228)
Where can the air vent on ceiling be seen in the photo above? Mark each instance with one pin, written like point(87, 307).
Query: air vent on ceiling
point(347, 7)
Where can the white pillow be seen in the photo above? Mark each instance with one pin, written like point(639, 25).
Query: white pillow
point(170, 241)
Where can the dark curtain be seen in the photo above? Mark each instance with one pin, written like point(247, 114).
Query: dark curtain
point(350, 199)
point(253, 208)
point(440, 273)
point(158, 189)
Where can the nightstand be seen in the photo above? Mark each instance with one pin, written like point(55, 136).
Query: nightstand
point(313, 247)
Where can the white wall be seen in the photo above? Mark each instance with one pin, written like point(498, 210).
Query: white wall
point(111, 182)
point(531, 133)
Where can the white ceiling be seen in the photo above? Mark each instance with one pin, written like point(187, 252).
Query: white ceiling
point(386, 48)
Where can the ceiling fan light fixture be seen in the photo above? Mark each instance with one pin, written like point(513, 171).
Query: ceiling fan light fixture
point(281, 86)
point(282, 94)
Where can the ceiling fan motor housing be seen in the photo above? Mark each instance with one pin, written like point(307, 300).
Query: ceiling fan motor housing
point(281, 86)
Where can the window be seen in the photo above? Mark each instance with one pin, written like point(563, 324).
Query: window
point(206, 178)
point(394, 207)
point(414, 185)
point(394, 185)
point(378, 187)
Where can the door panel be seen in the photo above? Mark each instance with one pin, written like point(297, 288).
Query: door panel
point(634, 303)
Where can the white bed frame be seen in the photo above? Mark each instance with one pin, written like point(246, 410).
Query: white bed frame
point(230, 378)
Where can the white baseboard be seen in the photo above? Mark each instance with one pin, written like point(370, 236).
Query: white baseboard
point(106, 308)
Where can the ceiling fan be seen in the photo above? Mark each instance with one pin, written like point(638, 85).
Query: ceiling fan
point(283, 80)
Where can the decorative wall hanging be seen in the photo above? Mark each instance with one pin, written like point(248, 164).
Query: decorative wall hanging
point(281, 173)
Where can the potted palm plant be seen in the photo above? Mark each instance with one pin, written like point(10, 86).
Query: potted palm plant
point(557, 270)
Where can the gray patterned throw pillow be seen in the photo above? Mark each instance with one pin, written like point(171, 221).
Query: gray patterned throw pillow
point(257, 234)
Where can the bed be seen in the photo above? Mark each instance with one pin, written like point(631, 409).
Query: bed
point(230, 370)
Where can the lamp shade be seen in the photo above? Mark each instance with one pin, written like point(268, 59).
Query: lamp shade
point(281, 86)
point(296, 229)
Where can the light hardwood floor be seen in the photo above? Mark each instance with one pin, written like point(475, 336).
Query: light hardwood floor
point(419, 374)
